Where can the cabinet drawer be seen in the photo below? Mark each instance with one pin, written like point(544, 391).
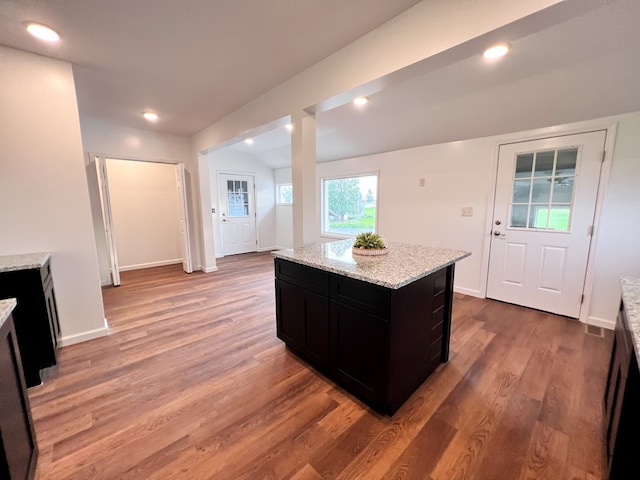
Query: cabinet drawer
point(303, 276)
point(368, 297)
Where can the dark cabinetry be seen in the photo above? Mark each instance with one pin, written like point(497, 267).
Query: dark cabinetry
point(622, 401)
point(35, 317)
point(18, 451)
point(379, 343)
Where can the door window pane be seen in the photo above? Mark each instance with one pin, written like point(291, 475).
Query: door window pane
point(519, 216)
point(559, 217)
point(238, 198)
point(544, 164)
point(521, 190)
point(563, 190)
point(539, 216)
point(524, 165)
point(566, 162)
point(541, 190)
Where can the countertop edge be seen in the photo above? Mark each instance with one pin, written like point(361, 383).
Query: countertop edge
point(6, 307)
point(23, 261)
point(631, 299)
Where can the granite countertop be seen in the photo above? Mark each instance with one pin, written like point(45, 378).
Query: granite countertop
point(6, 307)
point(25, 261)
point(403, 264)
point(631, 298)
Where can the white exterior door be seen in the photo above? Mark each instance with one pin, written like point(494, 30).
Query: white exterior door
point(237, 213)
point(543, 221)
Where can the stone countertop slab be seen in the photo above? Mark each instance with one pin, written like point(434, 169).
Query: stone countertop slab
point(6, 307)
point(403, 264)
point(631, 298)
point(25, 261)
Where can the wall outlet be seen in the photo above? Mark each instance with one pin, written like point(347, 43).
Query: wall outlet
point(422, 181)
point(467, 211)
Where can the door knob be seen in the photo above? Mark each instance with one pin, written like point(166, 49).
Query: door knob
point(496, 233)
point(498, 222)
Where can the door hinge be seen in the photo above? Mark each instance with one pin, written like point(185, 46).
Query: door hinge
point(590, 230)
point(604, 154)
point(256, 242)
point(582, 299)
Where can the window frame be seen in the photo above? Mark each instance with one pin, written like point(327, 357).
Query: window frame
point(278, 197)
point(324, 203)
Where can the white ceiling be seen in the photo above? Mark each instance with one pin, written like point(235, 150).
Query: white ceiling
point(192, 61)
point(584, 68)
point(196, 60)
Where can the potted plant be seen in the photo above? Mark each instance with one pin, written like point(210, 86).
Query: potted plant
point(369, 243)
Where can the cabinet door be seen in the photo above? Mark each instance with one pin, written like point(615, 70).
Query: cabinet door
point(303, 321)
point(52, 314)
point(16, 433)
point(359, 351)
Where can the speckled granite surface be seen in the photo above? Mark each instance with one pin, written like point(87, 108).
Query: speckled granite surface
point(631, 298)
point(402, 265)
point(6, 307)
point(25, 261)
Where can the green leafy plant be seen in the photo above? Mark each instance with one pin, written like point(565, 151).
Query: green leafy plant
point(369, 240)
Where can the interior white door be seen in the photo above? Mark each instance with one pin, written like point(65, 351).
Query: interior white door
point(237, 213)
point(107, 219)
point(543, 221)
point(185, 243)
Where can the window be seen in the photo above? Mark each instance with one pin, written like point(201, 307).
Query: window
point(284, 193)
point(349, 205)
point(543, 190)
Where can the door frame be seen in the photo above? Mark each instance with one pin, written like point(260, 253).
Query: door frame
point(610, 129)
point(107, 220)
point(216, 222)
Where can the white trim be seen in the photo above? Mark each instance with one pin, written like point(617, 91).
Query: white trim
point(208, 269)
point(159, 263)
point(601, 322)
point(268, 249)
point(468, 291)
point(84, 336)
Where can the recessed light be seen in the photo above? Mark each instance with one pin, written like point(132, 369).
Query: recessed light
point(248, 141)
point(152, 117)
point(360, 100)
point(496, 51)
point(43, 32)
point(289, 126)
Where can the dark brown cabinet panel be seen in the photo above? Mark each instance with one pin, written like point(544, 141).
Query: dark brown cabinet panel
point(621, 401)
point(17, 438)
point(35, 317)
point(382, 343)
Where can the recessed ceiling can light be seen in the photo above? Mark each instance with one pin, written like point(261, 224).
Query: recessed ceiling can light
point(42, 32)
point(496, 51)
point(152, 117)
point(289, 126)
point(360, 100)
point(248, 141)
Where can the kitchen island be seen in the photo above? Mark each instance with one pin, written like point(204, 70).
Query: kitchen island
point(377, 325)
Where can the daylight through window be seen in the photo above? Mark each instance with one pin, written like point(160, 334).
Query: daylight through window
point(349, 205)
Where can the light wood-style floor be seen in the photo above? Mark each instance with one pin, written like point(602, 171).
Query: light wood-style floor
point(192, 383)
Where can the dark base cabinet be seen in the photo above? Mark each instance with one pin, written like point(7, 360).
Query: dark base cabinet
point(35, 317)
point(18, 451)
point(622, 402)
point(379, 343)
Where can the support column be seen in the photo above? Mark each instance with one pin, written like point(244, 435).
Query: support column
point(303, 173)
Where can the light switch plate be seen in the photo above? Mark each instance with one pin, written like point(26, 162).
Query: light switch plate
point(467, 211)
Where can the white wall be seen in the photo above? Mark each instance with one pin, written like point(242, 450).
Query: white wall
point(115, 141)
point(44, 200)
point(232, 162)
point(284, 213)
point(145, 212)
point(460, 174)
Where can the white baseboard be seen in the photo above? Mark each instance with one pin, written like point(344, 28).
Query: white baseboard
point(601, 322)
point(208, 270)
point(268, 249)
point(468, 291)
point(84, 336)
point(139, 266)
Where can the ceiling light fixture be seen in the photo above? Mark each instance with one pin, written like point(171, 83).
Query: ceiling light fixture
point(289, 126)
point(152, 117)
point(360, 100)
point(42, 32)
point(496, 51)
point(248, 141)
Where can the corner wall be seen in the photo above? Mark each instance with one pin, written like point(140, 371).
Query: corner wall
point(44, 200)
